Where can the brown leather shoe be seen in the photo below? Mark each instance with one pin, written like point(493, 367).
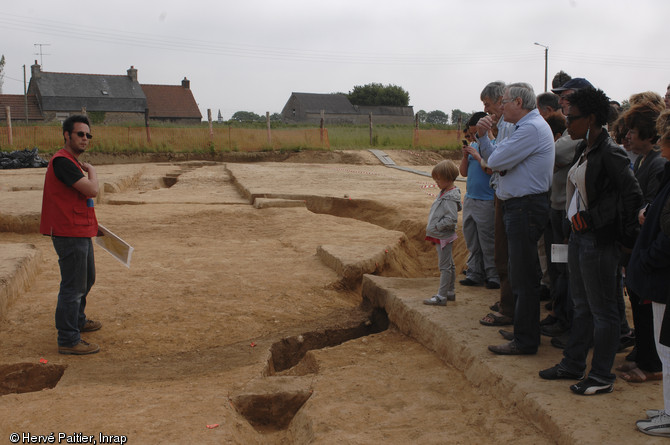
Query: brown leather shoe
point(510, 348)
point(81, 348)
point(90, 326)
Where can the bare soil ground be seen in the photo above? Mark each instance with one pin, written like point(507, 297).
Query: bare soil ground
point(243, 319)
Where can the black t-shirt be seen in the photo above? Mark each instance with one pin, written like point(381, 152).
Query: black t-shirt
point(66, 171)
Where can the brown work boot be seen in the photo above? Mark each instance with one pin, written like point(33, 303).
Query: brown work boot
point(81, 348)
point(90, 326)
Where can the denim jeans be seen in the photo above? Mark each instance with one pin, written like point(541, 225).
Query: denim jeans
point(525, 219)
point(593, 269)
point(560, 293)
point(77, 271)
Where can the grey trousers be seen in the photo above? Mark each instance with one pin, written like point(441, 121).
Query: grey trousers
point(447, 270)
point(479, 233)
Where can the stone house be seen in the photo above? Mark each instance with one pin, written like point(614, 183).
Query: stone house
point(111, 99)
point(307, 108)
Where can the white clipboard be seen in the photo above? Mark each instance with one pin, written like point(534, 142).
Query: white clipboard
point(117, 247)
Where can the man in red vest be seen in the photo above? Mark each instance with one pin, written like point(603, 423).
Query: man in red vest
point(68, 217)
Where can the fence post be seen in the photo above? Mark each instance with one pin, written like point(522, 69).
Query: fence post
point(415, 139)
point(321, 127)
point(146, 124)
point(458, 134)
point(209, 120)
point(267, 122)
point(370, 118)
point(8, 112)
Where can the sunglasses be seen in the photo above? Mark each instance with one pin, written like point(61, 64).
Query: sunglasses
point(81, 134)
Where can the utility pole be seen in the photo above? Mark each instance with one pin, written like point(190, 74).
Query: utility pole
point(25, 93)
point(40, 45)
point(546, 60)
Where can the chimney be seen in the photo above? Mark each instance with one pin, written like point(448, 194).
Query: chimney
point(186, 83)
point(35, 71)
point(132, 73)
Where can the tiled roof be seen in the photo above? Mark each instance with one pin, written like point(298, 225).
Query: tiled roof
point(96, 92)
point(17, 104)
point(171, 102)
point(330, 103)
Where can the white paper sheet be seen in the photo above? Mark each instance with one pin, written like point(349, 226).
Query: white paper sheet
point(117, 247)
point(559, 253)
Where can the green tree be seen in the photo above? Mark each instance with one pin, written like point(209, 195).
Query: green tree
point(275, 117)
point(422, 115)
point(2, 72)
point(458, 114)
point(437, 117)
point(246, 116)
point(378, 94)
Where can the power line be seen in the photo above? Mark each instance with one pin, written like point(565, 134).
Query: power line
point(190, 46)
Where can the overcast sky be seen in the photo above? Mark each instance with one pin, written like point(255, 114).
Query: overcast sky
point(250, 55)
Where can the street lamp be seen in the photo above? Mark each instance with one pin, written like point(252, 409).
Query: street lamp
point(546, 58)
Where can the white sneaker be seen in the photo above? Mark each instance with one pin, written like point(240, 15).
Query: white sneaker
point(656, 426)
point(451, 296)
point(651, 413)
point(435, 300)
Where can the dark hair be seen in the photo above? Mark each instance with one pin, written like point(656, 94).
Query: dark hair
point(475, 118)
point(642, 117)
point(619, 130)
point(560, 78)
point(614, 112)
point(556, 121)
point(548, 100)
point(663, 126)
point(591, 101)
point(68, 124)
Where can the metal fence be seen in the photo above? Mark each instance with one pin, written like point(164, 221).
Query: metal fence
point(221, 138)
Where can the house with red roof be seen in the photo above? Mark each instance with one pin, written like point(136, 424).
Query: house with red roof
point(108, 99)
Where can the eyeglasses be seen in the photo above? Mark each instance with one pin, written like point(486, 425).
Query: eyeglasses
point(571, 118)
point(506, 101)
point(81, 134)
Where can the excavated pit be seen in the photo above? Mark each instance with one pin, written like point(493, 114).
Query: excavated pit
point(270, 403)
point(19, 378)
point(289, 351)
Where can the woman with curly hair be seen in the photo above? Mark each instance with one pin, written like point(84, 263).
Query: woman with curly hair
point(648, 274)
point(603, 200)
point(648, 168)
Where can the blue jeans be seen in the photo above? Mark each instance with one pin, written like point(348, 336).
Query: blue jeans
point(525, 219)
point(560, 292)
point(77, 272)
point(593, 270)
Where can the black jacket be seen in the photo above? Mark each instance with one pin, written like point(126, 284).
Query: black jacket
point(613, 193)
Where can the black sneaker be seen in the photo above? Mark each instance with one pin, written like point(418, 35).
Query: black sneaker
point(557, 373)
point(553, 330)
point(469, 282)
point(492, 285)
point(588, 387)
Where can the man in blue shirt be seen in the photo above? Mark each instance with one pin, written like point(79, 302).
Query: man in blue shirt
point(526, 161)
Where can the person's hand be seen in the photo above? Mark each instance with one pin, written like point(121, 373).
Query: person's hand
point(85, 166)
point(642, 215)
point(472, 151)
point(484, 125)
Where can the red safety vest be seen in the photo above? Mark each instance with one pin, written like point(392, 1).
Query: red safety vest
point(65, 211)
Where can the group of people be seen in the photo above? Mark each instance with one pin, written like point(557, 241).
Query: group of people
point(567, 171)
